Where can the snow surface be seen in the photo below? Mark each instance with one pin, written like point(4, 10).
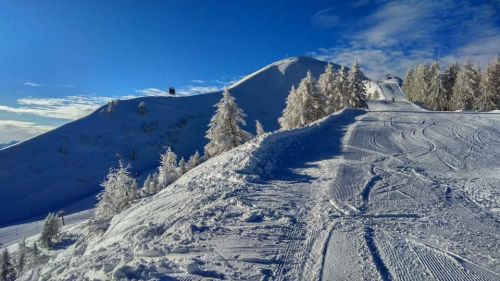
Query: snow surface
point(392, 193)
point(62, 169)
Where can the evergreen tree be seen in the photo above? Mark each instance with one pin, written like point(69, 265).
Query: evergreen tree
point(194, 160)
point(436, 99)
point(21, 256)
point(326, 84)
point(50, 231)
point(355, 88)
point(168, 170)
point(408, 83)
point(259, 129)
point(7, 270)
point(449, 78)
point(151, 184)
point(466, 88)
point(182, 169)
point(376, 95)
point(224, 131)
point(490, 87)
point(304, 104)
point(120, 189)
point(341, 88)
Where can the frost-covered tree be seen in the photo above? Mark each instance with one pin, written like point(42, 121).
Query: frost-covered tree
point(7, 270)
point(50, 231)
point(408, 83)
point(436, 98)
point(194, 160)
point(22, 251)
point(151, 184)
point(327, 87)
point(182, 169)
point(466, 88)
point(376, 95)
point(225, 132)
point(341, 88)
point(355, 88)
point(259, 129)
point(490, 87)
point(120, 189)
point(449, 78)
point(168, 170)
point(303, 105)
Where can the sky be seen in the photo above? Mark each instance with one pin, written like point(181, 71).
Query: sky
point(60, 60)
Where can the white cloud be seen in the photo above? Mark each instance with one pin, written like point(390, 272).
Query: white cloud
point(152, 92)
point(11, 130)
point(325, 19)
point(32, 84)
point(67, 108)
point(400, 34)
point(198, 81)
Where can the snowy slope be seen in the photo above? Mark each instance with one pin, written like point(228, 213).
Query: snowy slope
point(63, 168)
point(393, 193)
point(387, 90)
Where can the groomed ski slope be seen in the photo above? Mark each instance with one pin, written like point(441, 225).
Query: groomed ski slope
point(392, 193)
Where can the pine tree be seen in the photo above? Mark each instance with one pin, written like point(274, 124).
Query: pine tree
point(182, 169)
point(449, 78)
point(355, 88)
point(466, 88)
point(168, 170)
point(194, 160)
point(224, 131)
point(21, 256)
point(7, 270)
point(327, 88)
point(376, 95)
point(150, 184)
point(436, 99)
point(259, 129)
point(304, 104)
point(408, 83)
point(120, 189)
point(490, 87)
point(50, 231)
point(341, 88)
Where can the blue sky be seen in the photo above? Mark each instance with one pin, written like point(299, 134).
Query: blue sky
point(59, 60)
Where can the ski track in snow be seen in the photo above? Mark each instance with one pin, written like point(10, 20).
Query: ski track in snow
point(388, 194)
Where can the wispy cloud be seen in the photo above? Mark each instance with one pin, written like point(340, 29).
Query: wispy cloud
point(19, 130)
point(152, 92)
point(198, 81)
point(325, 19)
point(67, 108)
point(32, 84)
point(399, 34)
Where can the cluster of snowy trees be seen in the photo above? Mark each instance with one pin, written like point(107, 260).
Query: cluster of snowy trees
point(25, 258)
point(333, 91)
point(458, 87)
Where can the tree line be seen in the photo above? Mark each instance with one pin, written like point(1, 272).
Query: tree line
point(457, 87)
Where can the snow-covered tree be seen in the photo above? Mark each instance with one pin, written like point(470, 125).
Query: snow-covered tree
point(150, 185)
point(355, 88)
point(224, 132)
point(408, 83)
point(466, 88)
point(259, 129)
point(7, 270)
point(327, 87)
point(490, 87)
point(50, 231)
point(376, 95)
point(167, 172)
point(436, 99)
point(449, 78)
point(182, 169)
point(22, 251)
point(341, 88)
point(120, 189)
point(303, 105)
point(194, 160)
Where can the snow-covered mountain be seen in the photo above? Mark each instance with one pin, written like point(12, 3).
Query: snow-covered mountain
point(62, 169)
point(392, 193)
